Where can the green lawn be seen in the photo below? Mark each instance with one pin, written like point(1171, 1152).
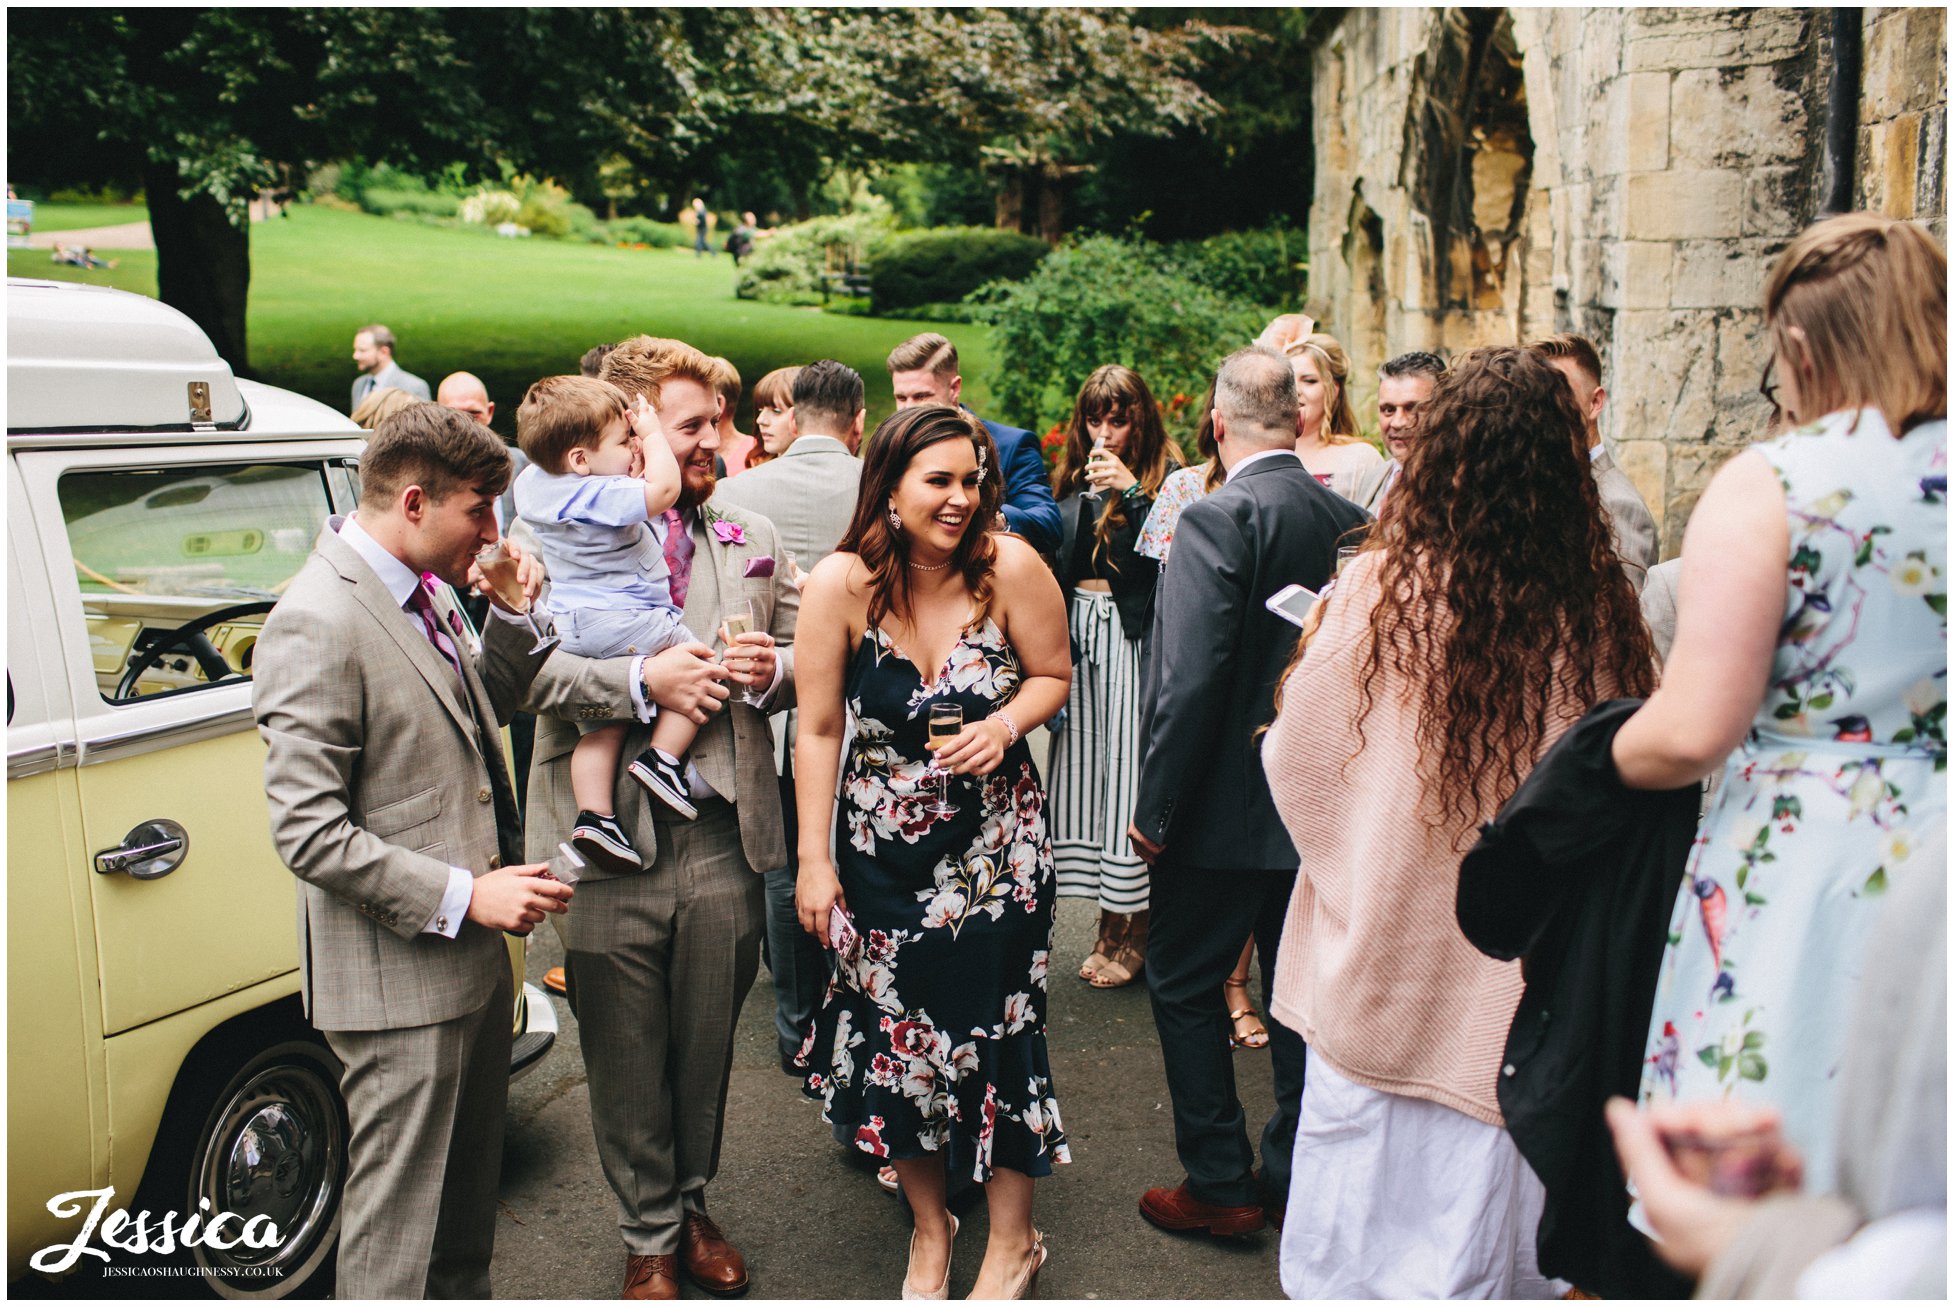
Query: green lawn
point(73, 217)
point(509, 310)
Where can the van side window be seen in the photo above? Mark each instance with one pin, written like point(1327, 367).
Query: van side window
point(178, 566)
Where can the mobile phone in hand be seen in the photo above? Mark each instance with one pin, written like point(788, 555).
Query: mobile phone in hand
point(1744, 1165)
point(841, 929)
point(1292, 603)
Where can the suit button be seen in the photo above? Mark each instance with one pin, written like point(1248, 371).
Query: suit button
point(495, 861)
point(483, 795)
point(1509, 1070)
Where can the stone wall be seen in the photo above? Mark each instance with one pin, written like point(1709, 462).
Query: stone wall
point(1485, 176)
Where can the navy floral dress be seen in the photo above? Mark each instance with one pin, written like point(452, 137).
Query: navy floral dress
point(931, 1036)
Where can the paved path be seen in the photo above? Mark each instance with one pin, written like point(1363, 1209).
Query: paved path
point(810, 1218)
point(122, 236)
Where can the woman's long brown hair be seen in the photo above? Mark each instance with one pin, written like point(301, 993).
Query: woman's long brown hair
point(1500, 580)
point(884, 549)
point(1114, 391)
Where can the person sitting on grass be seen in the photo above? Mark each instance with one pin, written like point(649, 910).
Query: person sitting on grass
point(600, 482)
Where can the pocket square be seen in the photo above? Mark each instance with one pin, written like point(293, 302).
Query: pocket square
point(759, 567)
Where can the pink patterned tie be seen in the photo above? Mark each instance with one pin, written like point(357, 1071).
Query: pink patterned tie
point(422, 606)
point(678, 555)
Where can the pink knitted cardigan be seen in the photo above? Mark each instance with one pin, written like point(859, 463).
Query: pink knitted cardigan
point(1374, 972)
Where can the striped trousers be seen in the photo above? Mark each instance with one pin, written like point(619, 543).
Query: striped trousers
point(1095, 763)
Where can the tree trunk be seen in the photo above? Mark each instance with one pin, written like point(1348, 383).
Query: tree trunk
point(203, 263)
point(1051, 208)
point(1010, 202)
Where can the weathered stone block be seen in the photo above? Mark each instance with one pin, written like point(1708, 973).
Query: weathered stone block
point(1736, 118)
point(1680, 205)
point(1905, 61)
point(1690, 470)
point(1720, 274)
point(1742, 347)
point(1645, 132)
point(1775, 200)
point(1636, 274)
point(1712, 38)
point(1605, 145)
point(1665, 372)
point(1895, 154)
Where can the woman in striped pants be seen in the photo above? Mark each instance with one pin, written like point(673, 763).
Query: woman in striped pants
point(1116, 456)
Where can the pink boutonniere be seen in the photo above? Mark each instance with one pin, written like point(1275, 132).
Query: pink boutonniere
point(728, 533)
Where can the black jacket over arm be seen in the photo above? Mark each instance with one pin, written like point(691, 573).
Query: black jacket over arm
point(1217, 653)
point(1133, 575)
point(1577, 877)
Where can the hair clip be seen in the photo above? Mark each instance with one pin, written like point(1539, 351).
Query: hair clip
point(983, 464)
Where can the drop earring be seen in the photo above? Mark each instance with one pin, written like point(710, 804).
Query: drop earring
point(895, 518)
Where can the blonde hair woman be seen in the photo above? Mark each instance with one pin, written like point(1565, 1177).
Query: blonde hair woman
point(1326, 435)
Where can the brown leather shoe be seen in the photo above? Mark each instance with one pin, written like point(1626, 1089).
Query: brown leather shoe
point(1177, 1209)
point(710, 1262)
point(650, 1277)
point(553, 981)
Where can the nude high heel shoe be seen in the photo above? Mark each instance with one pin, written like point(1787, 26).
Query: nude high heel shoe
point(940, 1292)
point(1027, 1282)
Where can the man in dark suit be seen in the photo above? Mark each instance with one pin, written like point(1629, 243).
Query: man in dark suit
point(1222, 862)
point(923, 370)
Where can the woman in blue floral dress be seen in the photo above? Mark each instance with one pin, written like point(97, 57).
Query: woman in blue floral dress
point(1812, 648)
point(929, 1048)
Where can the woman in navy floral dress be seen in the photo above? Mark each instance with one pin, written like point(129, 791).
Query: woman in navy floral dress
point(929, 1049)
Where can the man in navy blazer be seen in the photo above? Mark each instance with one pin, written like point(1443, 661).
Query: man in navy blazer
point(924, 371)
point(1222, 863)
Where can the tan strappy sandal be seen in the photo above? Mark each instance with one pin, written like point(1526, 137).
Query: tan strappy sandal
point(1112, 929)
point(1128, 958)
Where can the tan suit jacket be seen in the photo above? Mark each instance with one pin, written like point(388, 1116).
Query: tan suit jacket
point(734, 751)
point(381, 775)
point(1369, 490)
point(1629, 518)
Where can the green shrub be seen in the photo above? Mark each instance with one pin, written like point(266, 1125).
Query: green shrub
point(947, 263)
point(647, 231)
point(1107, 300)
point(786, 267)
point(1268, 266)
point(109, 193)
point(388, 202)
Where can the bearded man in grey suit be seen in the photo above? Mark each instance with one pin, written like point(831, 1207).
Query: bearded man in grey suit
point(1632, 523)
point(390, 801)
point(658, 961)
point(808, 492)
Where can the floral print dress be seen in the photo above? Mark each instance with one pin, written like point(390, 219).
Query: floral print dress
point(1820, 810)
point(931, 1036)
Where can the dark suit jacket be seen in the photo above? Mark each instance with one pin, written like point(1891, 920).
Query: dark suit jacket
point(1028, 503)
point(1217, 653)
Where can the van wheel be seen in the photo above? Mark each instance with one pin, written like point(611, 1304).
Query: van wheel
point(271, 1144)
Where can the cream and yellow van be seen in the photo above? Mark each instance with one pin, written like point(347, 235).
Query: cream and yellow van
point(156, 508)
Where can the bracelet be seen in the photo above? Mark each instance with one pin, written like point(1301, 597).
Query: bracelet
point(1009, 725)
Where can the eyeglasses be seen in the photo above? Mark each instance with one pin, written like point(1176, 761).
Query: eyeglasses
point(1769, 388)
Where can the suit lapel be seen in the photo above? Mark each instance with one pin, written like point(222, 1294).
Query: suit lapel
point(405, 632)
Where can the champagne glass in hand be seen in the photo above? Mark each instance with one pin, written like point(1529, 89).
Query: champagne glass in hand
point(741, 617)
point(945, 725)
point(499, 568)
point(1090, 490)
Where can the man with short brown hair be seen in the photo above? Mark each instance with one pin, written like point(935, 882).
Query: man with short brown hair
point(660, 961)
point(923, 370)
point(1575, 358)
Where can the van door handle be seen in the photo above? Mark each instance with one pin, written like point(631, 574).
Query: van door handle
point(149, 852)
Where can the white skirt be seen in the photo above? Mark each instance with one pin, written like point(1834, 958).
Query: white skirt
point(1397, 1197)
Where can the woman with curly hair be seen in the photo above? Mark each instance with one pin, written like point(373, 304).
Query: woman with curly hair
point(1116, 456)
point(929, 1047)
point(1326, 434)
point(1485, 615)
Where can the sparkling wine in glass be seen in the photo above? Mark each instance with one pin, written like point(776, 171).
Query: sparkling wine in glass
point(739, 621)
point(499, 569)
point(945, 725)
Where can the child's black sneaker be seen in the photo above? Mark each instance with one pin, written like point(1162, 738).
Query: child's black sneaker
point(665, 778)
point(603, 841)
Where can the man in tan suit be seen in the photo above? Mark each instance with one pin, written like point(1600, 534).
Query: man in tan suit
point(659, 961)
point(390, 801)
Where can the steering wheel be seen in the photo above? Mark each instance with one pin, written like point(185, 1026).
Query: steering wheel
point(190, 636)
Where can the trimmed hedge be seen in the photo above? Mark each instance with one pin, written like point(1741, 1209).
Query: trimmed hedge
point(946, 263)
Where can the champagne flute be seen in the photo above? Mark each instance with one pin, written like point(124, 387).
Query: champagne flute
point(499, 569)
point(1089, 491)
point(742, 618)
point(945, 725)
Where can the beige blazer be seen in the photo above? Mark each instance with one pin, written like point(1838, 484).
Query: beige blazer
point(1629, 517)
point(379, 779)
point(734, 751)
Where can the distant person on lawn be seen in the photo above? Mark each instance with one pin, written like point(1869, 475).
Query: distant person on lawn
point(373, 354)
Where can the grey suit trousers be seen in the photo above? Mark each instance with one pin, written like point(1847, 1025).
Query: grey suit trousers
point(426, 1105)
point(659, 964)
